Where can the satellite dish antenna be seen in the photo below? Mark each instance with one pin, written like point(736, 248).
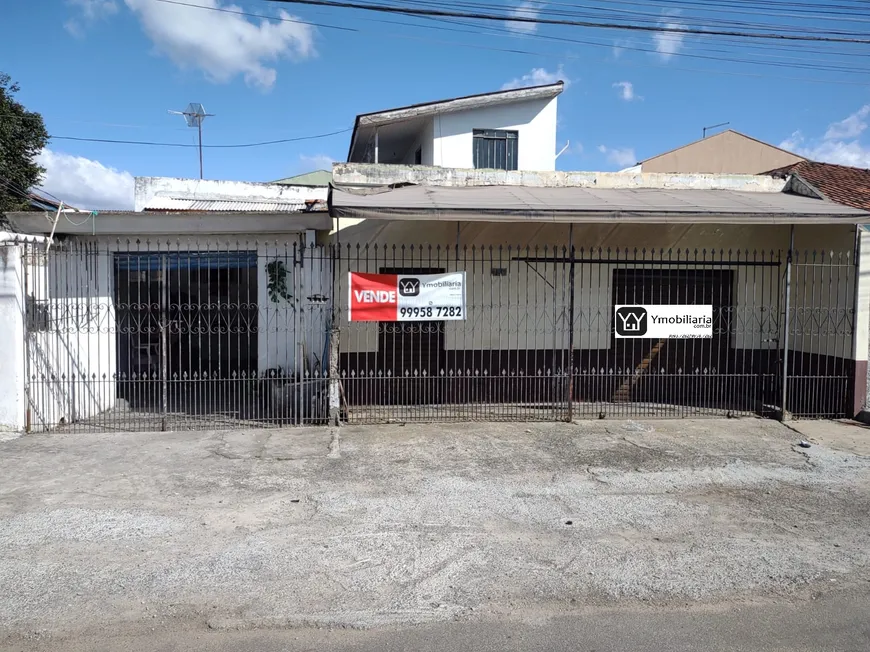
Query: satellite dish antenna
point(194, 114)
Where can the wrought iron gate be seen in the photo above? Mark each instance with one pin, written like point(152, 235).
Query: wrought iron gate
point(538, 342)
point(140, 335)
point(157, 335)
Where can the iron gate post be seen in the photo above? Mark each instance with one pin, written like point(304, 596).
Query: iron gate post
point(783, 415)
point(571, 326)
point(164, 340)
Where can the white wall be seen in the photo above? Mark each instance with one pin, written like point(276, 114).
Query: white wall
point(147, 188)
point(71, 348)
point(12, 338)
point(535, 120)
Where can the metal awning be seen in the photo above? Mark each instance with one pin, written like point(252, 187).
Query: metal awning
point(576, 205)
point(165, 223)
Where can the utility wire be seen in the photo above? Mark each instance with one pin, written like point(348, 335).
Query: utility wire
point(447, 13)
point(18, 190)
point(828, 65)
point(232, 146)
point(224, 10)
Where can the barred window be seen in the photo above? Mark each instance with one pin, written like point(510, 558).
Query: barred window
point(495, 149)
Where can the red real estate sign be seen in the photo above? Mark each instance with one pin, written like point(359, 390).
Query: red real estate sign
point(374, 297)
point(407, 297)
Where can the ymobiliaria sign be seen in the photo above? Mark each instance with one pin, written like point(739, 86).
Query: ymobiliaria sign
point(407, 297)
point(664, 322)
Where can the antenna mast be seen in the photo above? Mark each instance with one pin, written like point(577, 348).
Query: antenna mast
point(704, 132)
point(194, 114)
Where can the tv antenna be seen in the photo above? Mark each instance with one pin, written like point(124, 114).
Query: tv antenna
point(194, 114)
point(705, 130)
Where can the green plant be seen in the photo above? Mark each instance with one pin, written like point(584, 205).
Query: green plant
point(277, 285)
point(22, 138)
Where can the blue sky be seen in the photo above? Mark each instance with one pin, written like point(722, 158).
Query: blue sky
point(112, 69)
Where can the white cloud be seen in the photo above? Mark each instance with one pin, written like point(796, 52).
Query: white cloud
point(87, 12)
point(221, 44)
point(626, 91)
point(524, 10)
point(793, 142)
point(537, 77)
point(621, 156)
point(85, 183)
point(315, 162)
point(839, 145)
point(668, 44)
point(850, 127)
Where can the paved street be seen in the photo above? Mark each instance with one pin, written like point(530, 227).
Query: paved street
point(597, 535)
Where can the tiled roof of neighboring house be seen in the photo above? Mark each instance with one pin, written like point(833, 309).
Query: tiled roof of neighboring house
point(170, 204)
point(317, 178)
point(839, 183)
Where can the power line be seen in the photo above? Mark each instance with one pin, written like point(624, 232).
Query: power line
point(232, 146)
point(448, 13)
point(224, 10)
point(748, 61)
point(18, 190)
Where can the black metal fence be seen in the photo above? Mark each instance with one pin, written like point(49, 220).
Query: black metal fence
point(538, 339)
point(172, 335)
point(141, 335)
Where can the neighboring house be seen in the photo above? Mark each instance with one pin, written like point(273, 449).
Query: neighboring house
point(505, 130)
point(178, 306)
point(839, 183)
point(727, 152)
point(547, 256)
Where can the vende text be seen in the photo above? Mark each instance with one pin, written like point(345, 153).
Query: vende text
point(374, 296)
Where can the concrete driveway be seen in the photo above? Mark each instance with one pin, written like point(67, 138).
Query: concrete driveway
point(462, 526)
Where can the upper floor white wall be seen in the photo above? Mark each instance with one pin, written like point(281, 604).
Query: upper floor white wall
point(533, 120)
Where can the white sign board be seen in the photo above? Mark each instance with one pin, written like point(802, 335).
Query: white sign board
point(664, 322)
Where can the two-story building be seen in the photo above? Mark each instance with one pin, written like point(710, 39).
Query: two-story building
point(506, 130)
point(469, 185)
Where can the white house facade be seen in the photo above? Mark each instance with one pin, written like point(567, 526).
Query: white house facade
point(508, 130)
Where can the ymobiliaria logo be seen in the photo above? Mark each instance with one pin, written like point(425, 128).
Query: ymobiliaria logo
point(664, 322)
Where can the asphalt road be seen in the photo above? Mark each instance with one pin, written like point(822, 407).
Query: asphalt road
point(606, 535)
point(838, 622)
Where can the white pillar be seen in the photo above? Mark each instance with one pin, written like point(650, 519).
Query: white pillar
point(12, 314)
point(861, 327)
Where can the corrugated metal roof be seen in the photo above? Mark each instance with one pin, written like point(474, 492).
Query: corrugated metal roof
point(569, 204)
point(228, 206)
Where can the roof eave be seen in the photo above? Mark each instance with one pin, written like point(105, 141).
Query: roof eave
point(592, 216)
point(131, 223)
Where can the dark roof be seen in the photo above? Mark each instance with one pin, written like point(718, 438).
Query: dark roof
point(572, 204)
point(839, 183)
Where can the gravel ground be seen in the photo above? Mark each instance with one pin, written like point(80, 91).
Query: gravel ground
point(421, 524)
